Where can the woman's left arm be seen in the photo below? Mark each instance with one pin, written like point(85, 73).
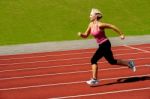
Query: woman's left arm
point(114, 28)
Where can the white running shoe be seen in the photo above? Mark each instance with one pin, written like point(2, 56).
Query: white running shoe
point(92, 82)
point(132, 66)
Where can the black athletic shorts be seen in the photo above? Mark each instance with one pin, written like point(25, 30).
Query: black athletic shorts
point(104, 50)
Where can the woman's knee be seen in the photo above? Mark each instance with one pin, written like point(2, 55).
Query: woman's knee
point(93, 61)
point(113, 62)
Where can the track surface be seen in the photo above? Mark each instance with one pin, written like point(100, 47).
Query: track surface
point(61, 75)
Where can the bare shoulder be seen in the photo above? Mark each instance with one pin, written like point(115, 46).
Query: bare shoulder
point(104, 25)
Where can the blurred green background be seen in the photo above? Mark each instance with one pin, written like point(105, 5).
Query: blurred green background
point(30, 21)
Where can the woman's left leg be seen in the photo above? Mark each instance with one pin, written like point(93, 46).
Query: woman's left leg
point(98, 55)
point(110, 58)
point(94, 71)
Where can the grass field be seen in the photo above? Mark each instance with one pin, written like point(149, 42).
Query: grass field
point(30, 21)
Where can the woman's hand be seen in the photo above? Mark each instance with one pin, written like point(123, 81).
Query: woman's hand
point(122, 36)
point(79, 33)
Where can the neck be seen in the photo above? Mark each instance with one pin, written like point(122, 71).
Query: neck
point(95, 21)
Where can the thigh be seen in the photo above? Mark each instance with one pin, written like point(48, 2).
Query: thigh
point(108, 54)
point(97, 55)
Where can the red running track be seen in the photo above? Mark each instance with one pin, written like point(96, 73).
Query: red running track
point(62, 75)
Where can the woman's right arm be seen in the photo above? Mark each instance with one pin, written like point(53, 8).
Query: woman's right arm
point(86, 34)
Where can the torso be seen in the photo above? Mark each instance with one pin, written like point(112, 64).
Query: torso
point(98, 33)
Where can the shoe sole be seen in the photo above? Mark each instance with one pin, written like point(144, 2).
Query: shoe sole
point(93, 85)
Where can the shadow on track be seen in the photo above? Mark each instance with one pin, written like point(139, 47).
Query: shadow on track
point(127, 80)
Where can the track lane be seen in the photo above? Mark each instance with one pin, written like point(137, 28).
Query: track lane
point(54, 79)
point(56, 52)
point(71, 90)
point(136, 93)
point(50, 90)
point(58, 57)
point(66, 61)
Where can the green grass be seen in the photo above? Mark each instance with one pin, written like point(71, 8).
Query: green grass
point(30, 21)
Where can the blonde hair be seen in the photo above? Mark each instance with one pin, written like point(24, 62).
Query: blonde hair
point(97, 12)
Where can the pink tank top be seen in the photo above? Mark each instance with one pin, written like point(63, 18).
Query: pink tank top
point(99, 34)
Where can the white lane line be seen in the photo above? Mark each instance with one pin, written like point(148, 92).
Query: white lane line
point(64, 73)
point(68, 83)
point(41, 56)
point(76, 53)
point(43, 67)
point(58, 66)
point(136, 48)
point(103, 93)
point(17, 63)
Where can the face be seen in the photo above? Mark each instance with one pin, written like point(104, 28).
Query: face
point(92, 16)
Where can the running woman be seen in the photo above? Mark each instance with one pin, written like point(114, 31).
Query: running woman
point(97, 29)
